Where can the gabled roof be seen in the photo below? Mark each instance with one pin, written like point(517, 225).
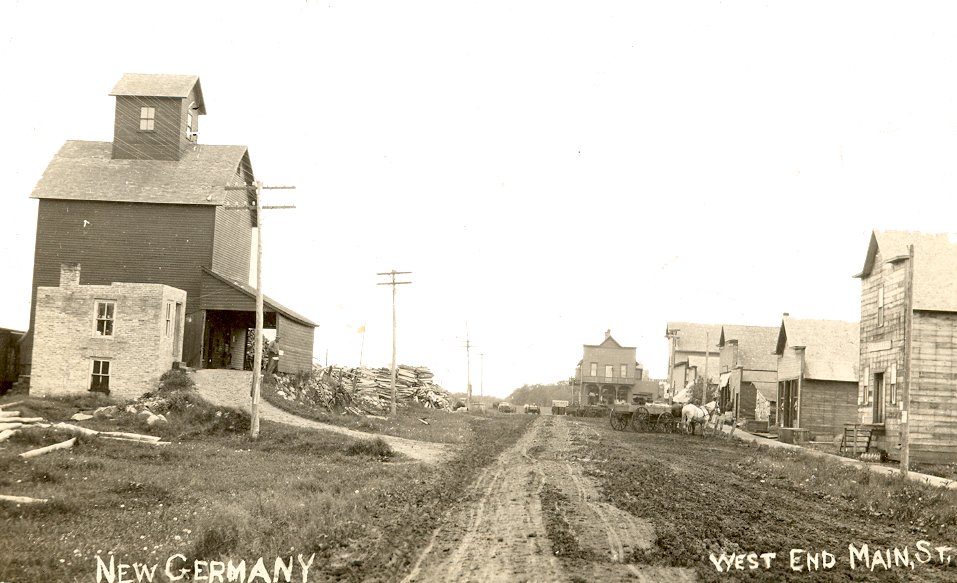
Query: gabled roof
point(86, 171)
point(609, 342)
point(755, 345)
point(831, 350)
point(268, 303)
point(152, 85)
point(693, 337)
point(935, 265)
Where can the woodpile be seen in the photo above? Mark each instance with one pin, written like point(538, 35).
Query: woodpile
point(363, 390)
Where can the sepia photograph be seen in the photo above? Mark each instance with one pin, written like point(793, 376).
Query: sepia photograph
point(498, 291)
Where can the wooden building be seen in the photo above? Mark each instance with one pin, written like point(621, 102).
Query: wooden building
point(928, 315)
point(609, 373)
point(9, 358)
point(748, 382)
point(817, 375)
point(152, 207)
point(692, 352)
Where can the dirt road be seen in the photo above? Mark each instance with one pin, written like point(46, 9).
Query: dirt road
point(533, 515)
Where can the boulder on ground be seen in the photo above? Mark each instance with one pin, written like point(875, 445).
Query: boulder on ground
point(107, 412)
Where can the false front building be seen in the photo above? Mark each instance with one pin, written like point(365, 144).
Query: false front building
point(154, 206)
point(608, 373)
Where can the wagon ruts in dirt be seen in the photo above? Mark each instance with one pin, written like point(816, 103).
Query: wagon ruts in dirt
point(658, 417)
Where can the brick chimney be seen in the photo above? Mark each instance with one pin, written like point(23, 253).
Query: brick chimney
point(69, 274)
point(607, 333)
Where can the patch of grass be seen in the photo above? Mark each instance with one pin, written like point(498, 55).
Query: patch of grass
point(175, 380)
point(191, 416)
point(374, 448)
point(288, 492)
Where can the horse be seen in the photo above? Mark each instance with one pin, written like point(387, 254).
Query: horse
point(694, 415)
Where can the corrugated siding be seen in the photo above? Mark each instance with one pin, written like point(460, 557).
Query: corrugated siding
point(295, 340)
point(827, 405)
point(125, 242)
point(163, 143)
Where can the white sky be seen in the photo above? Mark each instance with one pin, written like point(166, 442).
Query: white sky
point(547, 170)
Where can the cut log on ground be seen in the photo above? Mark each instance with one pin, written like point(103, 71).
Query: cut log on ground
point(13, 404)
point(9, 414)
point(7, 434)
point(77, 429)
point(130, 436)
point(6, 426)
point(40, 451)
point(130, 440)
point(21, 499)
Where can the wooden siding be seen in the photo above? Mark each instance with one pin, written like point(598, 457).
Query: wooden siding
point(789, 364)
point(933, 404)
point(881, 346)
point(233, 237)
point(296, 342)
point(125, 242)
point(165, 142)
point(827, 405)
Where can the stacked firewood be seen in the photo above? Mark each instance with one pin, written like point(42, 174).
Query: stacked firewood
point(363, 389)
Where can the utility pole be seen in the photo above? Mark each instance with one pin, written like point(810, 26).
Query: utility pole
point(258, 356)
point(908, 347)
point(707, 357)
point(393, 283)
point(482, 378)
point(468, 370)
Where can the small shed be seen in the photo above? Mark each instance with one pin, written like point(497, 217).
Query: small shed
point(817, 375)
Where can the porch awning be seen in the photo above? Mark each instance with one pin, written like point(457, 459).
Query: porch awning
point(222, 293)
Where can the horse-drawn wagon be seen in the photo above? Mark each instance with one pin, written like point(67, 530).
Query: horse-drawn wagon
point(660, 417)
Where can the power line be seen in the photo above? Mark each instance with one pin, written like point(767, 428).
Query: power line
point(393, 283)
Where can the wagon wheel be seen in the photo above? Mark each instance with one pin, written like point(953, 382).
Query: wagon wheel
point(639, 419)
point(618, 422)
point(665, 423)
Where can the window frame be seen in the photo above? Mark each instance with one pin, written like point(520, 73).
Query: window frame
point(109, 319)
point(880, 307)
point(147, 118)
point(609, 371)
point(593, 369)
point(169, 320)
point(97, 382)
point(623, 369)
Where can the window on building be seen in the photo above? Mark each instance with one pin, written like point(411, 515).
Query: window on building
point(147, 118)
point(594, 369)
point(880, 306)
point(609, 371)
point(169, 319)
point(105, 311)
point(100, 379)
point(892, 381)
point(866, 386)
point(624, 370)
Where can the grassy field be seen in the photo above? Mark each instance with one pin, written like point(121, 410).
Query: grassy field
point(213, 495)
